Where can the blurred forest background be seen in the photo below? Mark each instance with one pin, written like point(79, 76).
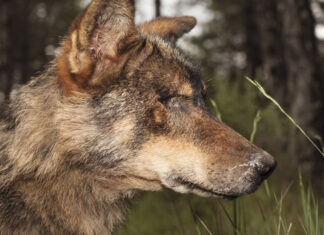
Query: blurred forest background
point(279, 43)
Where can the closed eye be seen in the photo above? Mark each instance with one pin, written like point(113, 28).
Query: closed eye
point(166, 99)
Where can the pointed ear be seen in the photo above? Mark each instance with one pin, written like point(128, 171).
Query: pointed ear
point(95, 51)
point(170, 28)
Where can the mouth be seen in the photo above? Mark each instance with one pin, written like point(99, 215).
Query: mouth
point(194, 186)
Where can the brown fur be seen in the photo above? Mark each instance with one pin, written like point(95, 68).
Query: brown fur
point(120, 110)
point(170, 28)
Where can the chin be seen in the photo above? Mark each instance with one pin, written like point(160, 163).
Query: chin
point(181, 185)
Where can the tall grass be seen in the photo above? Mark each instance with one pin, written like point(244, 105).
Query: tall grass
point(309, 204)
point(274, 221)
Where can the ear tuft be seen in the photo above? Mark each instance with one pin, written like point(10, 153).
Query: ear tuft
point(170, 28)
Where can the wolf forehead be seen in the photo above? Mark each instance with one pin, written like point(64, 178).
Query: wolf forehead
point(170, 70)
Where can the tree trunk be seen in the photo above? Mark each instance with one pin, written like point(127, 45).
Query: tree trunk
point(6, 72)
point(266, 36)
point(157, 8)
point(302, 63)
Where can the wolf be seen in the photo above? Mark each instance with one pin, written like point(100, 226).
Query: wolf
point(120, 109)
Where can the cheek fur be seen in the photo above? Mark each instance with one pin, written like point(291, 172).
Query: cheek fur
point(167, 156)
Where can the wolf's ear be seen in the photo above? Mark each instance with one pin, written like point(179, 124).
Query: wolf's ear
point(170, 28)
point(96, 49)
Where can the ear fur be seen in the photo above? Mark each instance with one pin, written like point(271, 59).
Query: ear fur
point(94, 52)
point(170, 28)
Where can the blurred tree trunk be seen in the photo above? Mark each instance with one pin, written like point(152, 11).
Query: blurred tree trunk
point(157, 8)
point(15, 61)
point(25, 64)
point(282, 43)
point(264, 47)
point(304, 77)
point(28, 35)
point(6, 82)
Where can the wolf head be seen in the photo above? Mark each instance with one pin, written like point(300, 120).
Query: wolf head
point(133, 109)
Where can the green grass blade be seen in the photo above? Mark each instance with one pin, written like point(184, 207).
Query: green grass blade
point(320, 140)
point(204, 225)
point(255, 125)
point(261, 89)
point(235, 215)
point(256, 121)
point(218, 113)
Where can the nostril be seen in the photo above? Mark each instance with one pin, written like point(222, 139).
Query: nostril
point(266, 172)
point(266, 166)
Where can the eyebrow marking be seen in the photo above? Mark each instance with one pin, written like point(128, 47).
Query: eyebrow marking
point(186, 90)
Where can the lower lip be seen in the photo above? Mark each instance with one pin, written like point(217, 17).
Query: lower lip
point(202, 189)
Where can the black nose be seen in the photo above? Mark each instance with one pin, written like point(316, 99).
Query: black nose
point(265, 165)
